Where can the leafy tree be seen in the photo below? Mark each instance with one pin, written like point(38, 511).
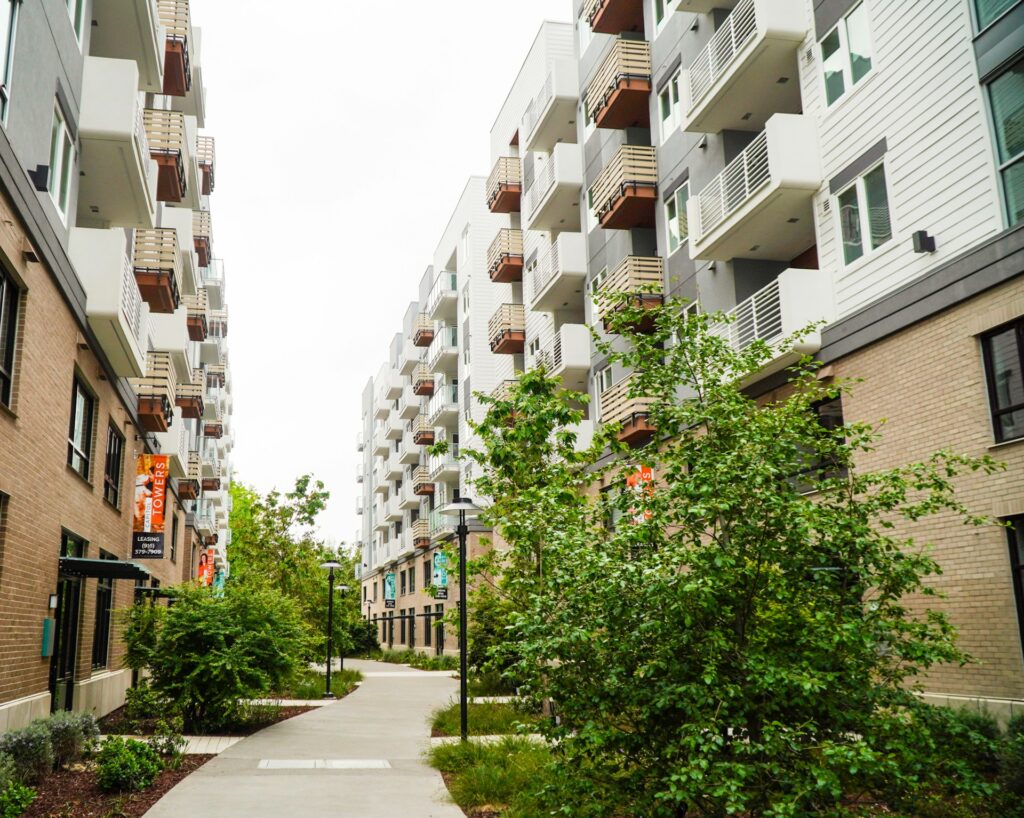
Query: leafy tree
point(736, 638)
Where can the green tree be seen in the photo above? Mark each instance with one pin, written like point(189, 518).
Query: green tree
point(738, 639)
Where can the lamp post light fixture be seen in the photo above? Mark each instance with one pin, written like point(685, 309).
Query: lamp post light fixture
point(464, 509)
point(330, 565)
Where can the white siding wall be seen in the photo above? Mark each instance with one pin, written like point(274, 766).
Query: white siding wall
point(924, 97)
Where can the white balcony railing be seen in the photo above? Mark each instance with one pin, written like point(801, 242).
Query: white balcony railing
point(445, 400)
point(553, 198)
point(445, 343)
point(727, 192)
point(442, 293)
point(737, 30)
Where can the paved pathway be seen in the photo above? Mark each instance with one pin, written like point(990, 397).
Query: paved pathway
point(358, 758)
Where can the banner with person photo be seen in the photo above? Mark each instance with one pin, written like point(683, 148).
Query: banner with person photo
point(150, 507)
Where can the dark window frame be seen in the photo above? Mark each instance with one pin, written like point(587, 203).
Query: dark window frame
point(83, 452)
point(995, 414)
point(103, 619)
point(174, 538)
point(113, 469)
point(10, 300)
point(1016, 530)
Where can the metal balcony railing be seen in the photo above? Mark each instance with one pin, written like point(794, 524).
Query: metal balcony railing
point(538, 105)
point(445, 399)
point(445, 286)
point(206, 154)
point(758, 318)
point(627, 61)
point(445, 341)
point(717, 56)
point(423, 330)
point(727, 192)
point(547, 269)
point(542, 183)
point(175, 17)
point(202, 235)
point(632, 167)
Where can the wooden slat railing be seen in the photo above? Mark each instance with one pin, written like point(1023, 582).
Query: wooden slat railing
point(628, 60)
point(632, 166)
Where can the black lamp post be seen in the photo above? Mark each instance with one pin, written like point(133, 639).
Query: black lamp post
point(330, 565)
point(464, 509)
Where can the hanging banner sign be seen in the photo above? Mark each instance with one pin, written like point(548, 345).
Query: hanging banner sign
point(440, 575)
point(205, 572)
point(641, 485)
point(151, 474)
point(389, 590)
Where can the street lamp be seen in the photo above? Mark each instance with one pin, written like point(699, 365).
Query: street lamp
point(330, 565)
point(341, 589)
point(464, 509)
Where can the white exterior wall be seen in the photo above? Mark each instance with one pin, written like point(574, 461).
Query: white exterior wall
point(923, 96)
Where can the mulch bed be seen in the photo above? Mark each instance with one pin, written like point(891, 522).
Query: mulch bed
point(74, 794)
point(115, 724)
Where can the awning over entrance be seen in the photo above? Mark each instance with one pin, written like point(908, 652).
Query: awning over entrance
point(101, 569)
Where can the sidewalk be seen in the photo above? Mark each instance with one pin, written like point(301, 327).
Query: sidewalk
point(360, 757)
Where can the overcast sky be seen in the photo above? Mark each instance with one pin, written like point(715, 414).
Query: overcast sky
point(343, 144)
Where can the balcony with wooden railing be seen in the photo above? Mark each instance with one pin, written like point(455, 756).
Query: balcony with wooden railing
point(156, 392)
point(216, 375)
point(218, 322)
point(614, 16)
point(202, 236)
point(505, 185)
point(206, 154)
point(624, 195)
point(156, 263)
point(189, 397)
point(421, 533)
point(422, 431)
point(422, 485)
point(631, 412)
point(214, 429)
point(423, 381)
point(188, 487)
point(197, 311)
point(168, 147)
point(505, 256)
point(506, 330)
point(643, 279)
point(423, 331)
point(175, 17)
point(503, 391)
point(618, 95)
point(212, 481)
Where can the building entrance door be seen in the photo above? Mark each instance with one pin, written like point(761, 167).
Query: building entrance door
point(65, 651)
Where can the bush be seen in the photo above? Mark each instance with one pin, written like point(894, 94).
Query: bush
point(310, 684)
point(363, 636)
point(168, 741)
point(142, 703)
point(70, 735)
point(1011, 763)
point(124, 765)
point(1015, 727)
point(31, 750)
point(15, 798)
point(485, 719)
point(8, 771)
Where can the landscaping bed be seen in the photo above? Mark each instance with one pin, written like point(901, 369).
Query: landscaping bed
point(254, 719)
point(485, 719)
point(74, 792)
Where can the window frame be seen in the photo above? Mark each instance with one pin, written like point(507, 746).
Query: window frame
point(1017, 569)
point(849, 84)
point(995, 413)
point(112, 478)
point(102, 619)
point(81, 449)
point(76, 13)
point(7, 41)
point(864, 216)
point(10, 301)
point(680, 207)
point(1003, 167)
point(668, 8)
point(62, 162)
point(668, 125)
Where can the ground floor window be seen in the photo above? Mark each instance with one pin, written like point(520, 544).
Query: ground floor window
point(426, 625)
point(1016, 534)
point(101, 628)
point(401, 626)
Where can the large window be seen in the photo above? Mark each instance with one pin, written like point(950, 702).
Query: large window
point(865, 223)
point(9, 296)
point(989, 10)
point(76, 10)
point(669, 109)
point(83, 407)
point(1016, 533)
point(1007, 95)
point(663, 10)
point(8, 29)
point(1004, 370)
point(62, 162)
point(675, 217)
point(101, 630)
point(113, 469)
point(846, 53)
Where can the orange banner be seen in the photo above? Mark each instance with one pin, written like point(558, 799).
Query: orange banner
point(150, 506)
point(641, 483)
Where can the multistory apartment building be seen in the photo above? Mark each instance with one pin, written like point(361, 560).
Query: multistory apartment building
point(112, 337)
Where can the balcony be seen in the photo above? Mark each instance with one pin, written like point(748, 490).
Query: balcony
point(380, 485)
point(644, 278)
point(174, 15)
point(188, 487)
point(614, 16)
point(567, 355)
point(503, 391)
point(793, 301)
point(423, 331)
point(506, 330)
point(423, 431)
point(213, 280)
point(423, 381)
point(198, 315)
point(391, 389)
point(442, 526)
point(156, 264)
point(381, 445)
point(408, 358)
point(408, 404)
point(206, 155)
point(443, 408)
point(202, 235)
point(114, 306)
point(381, 408)
point(193, 102)
point(206, 521)
point(505, 256)
point(443, 468)
point(156, 394)
point(394, 427)
point(704, 6)
point(174, 444)
point(129, 30)
point(168, 147)
point(748, 71)
point(392, 468)
point(443, 301)
point(631, 413)
point(443, 355)
point(216, 375)
point(360, 440)
point(760, 206)
point(117, 177)
point(422, 485)
point(560, 275)
point(214, 429)
point(212, 482)
point(551, 116)
point(624, 195)
point(360, 473)
point(409, 450)
point(619, 94)
point(189, 397)
point(505, 185)
point(218, 319)
point(359, 506)
point(421, 533)
point(553, 197)
point(179, 219)
point(407, 498)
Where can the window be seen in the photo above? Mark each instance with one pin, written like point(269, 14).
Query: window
point(9, 296)
point(1003, 351)
point(62, 161)
point(584, 32)
point(533, 348)
point(602, 383)
point(1007, 95)
point(864, 220)
point(669, 109)
point(83, 407)
point(401, 626)
point(675, 217)
point(663, 11)
point(1016, 534)
point(426, 625)
point(401, 577)
point(989, 10)
point(428, 573)
point(113, 468)
point(596, 283)
point(101, 629)
point(846, 53)
point(412, 580)
point(8, 29)
point(174, 538)
point(76, 10)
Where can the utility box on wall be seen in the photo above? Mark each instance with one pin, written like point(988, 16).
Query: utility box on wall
point(47, 646)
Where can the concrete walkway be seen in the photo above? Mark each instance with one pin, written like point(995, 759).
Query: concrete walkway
point(360, 757)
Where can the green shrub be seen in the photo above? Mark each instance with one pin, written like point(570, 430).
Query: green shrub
point(125, 764)
point(142, 703)
point(1011, 763)
point(1015, 727)
point(8, 771)
point(363, 637)
point(168, 741)
point(31, 750)
point(70, 735)
point(485, 719)
point(15, 798)
point(310, 684)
